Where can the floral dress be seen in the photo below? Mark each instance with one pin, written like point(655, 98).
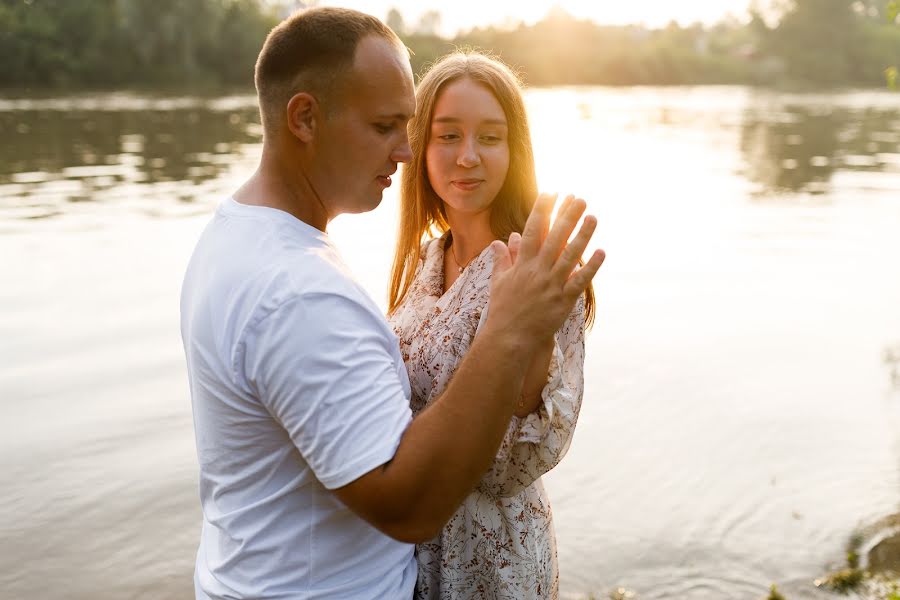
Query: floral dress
point(500, 543)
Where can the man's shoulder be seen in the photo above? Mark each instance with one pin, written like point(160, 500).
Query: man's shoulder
point(247, 273)
point(316, 272)
point(315, 284)
point(270, 249)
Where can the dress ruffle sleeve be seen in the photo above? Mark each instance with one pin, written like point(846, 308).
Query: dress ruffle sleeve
point(535, 444)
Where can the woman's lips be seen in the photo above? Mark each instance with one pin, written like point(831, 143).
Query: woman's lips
point(466, 185)
point(384, 180)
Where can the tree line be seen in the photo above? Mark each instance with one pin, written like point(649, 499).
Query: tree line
point(111, 43)
point(123, 43)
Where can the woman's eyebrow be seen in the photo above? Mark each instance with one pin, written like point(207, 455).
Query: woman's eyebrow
point(457, 120)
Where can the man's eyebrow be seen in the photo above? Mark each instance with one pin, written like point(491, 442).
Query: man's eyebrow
point(455, 120)
point(396, 117)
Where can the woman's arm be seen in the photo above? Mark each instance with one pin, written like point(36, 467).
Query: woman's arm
point(535, 380)
point(536, 443)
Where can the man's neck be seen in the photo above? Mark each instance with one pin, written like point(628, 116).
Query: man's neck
point(285, 187)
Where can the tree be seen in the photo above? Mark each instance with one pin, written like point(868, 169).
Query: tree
point(816, 39)
point(395, 21)
point(892, 10)
point(830, 42)
point(429, 23)
point(123, 42)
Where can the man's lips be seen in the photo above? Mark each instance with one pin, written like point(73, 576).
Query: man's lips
point(466, 185)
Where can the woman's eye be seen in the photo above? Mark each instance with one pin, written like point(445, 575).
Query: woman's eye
point(383, 128)
point(448, 137)
point(491, 139)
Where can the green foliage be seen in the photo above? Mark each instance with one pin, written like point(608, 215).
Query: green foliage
point(816, 42)
point(843, 581)
point(890, 74)
point(561, 50)
point(892, 10)
point(834, 42)
point(105, 43)
point(49, 43)
point(774, 594)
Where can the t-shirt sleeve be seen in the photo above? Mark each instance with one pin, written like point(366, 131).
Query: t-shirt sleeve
point(323, 366)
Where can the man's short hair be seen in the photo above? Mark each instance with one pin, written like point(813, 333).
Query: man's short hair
point(311, 51)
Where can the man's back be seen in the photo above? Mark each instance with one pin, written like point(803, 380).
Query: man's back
point(297, 388)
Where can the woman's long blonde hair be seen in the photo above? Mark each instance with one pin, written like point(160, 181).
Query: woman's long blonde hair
point(421, 210)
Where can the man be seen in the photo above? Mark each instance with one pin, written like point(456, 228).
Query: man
point(314, 480)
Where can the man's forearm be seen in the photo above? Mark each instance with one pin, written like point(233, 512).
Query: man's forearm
point(449, 446)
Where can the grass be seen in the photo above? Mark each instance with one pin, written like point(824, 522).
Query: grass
point(774, 594)
point(843, 581)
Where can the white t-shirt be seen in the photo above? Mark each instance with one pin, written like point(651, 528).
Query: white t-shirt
point(298, 387)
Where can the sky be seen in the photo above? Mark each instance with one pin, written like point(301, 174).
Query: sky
point(466, 14)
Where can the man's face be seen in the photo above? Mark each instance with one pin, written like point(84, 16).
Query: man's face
point(360, 143)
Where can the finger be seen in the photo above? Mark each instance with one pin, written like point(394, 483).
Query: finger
point(502, 260)
point(565, 203)
point(562, 229)
point(563, 207)
point(571, 254)
point(536, 226)
point(579, 280)
point(515, 242)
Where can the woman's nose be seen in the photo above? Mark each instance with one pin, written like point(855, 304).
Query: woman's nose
point(468, 156)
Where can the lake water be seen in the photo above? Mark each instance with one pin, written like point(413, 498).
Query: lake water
point(742, 411)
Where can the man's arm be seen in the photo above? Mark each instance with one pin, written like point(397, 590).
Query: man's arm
point(449, 446)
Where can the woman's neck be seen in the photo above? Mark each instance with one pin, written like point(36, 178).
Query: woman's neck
point(471, 234)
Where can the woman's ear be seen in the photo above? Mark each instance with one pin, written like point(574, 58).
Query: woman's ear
point(302, 113)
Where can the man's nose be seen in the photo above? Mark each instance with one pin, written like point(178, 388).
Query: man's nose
point(402, 153)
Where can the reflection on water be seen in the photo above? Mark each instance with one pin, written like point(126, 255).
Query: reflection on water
point(59, 153)
point(798, 148)
point(125, 148)
point(892, 362)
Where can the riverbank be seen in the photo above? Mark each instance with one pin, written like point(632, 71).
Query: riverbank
point(873, 563)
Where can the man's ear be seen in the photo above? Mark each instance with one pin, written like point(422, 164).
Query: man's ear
point(302, 116)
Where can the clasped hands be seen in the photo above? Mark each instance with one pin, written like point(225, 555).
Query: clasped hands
point(537, 278)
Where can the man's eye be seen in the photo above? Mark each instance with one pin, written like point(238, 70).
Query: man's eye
point(448, 137)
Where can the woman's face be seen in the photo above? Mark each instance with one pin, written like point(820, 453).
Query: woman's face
point(467, 156)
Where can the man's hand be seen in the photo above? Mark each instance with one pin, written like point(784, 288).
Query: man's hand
point(535, 282)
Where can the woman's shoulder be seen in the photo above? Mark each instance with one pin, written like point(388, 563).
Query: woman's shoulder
point(431, 244)
point(428, 276)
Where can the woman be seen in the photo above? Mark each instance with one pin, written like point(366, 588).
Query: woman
point(472, 179)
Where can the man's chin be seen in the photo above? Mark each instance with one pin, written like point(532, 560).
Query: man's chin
point(364, 206)
point(358, 204)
